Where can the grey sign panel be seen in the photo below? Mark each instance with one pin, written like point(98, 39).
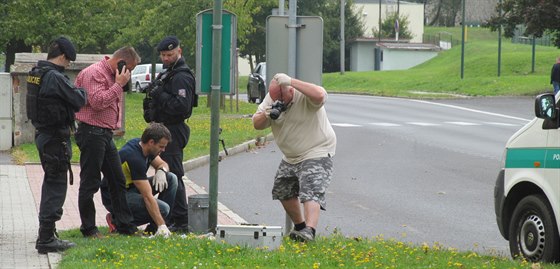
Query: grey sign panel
point(309, 47)
point(5, 95)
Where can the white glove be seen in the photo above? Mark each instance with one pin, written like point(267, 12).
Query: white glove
point(283, 79)
point(160, 181)
point(162, 230)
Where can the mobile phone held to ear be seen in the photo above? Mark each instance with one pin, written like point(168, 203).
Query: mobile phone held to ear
point(120, 66)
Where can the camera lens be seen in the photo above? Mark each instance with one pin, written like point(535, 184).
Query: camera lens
point(274, 114)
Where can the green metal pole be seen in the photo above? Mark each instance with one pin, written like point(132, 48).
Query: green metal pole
point(215, 113)
point(533, 55)
point(463, 42)
point(500, 43)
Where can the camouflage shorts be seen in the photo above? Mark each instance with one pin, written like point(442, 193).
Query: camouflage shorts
point(308, 179)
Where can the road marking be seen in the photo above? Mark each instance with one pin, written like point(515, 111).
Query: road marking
point(423, 123)
point(384, 124)
point(471, 110)
point(362, 207)
point(462, 123)
point(418, 123)
point(345, 125)
point(501, 124)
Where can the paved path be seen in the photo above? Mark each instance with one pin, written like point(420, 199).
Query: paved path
point(20, 188)
point(19, 224)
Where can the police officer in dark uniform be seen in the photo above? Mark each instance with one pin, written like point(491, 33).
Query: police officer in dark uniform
point(52, 101)
point(171, 103)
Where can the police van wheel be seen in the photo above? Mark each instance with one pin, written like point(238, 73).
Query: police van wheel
point(533, 233)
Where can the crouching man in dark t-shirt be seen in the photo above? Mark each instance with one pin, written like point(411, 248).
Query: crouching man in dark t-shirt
point(137, 155)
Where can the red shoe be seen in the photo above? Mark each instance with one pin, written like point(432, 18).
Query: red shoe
point(112, 227)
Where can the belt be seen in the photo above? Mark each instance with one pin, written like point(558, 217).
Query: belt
point(85, 125)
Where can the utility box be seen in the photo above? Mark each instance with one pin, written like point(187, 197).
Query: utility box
point(250, 235)
point(6, 124)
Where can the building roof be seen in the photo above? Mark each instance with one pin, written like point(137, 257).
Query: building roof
point(409, 46)
point(391, 2)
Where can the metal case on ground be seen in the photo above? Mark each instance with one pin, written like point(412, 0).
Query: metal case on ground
point(251, 235)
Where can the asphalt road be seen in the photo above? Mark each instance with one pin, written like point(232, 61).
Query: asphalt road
point(416, 171)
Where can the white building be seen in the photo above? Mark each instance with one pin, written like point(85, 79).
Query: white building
point(369, 9)
point(393, 54)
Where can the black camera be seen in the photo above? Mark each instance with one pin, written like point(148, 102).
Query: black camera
point(277, 108)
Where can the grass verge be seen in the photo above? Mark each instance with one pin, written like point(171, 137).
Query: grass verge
point(236, 127)
point(335, 251)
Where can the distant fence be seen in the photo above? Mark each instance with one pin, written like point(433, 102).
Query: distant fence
point(443, 40)
point(542, 41)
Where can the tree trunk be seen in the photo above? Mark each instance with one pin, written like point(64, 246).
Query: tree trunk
point(437, 15)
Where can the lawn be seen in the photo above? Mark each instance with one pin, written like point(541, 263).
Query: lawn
point(443, 74)
point(335, 251)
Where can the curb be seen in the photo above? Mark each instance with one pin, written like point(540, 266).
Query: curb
point(203, 160)
point(243, 147)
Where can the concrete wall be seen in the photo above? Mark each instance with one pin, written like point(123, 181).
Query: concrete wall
point(370, 15)
point(362, 56)
point(404, 59)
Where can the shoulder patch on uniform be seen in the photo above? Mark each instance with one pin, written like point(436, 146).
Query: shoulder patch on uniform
point(182, 92)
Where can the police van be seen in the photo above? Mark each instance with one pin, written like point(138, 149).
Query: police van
point(527, 191)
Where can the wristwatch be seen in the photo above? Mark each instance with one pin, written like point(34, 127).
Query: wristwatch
point(163, 169)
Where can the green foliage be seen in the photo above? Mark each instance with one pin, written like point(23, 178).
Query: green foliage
point(254, 45)
point(89, 24)
point(539, 17)
point(388, 26)
point(335, 251)
point(329, 10)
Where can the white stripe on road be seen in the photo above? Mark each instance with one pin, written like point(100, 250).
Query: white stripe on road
point(345, 125)
point(462, 123)
point(423, 123)
point(384, 124)
point(501, 124)
point(471, 110)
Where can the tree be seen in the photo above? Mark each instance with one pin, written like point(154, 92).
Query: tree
point(35, 23)
point(255, 38)
point(539, 17)
point(388, 27)
point(444, 12)
point(329, 10)
point(177, 17)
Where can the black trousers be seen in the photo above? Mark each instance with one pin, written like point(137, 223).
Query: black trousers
point(173, 156)
point(55, 152)
point(99, 155)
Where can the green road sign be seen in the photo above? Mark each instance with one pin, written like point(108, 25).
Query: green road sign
point(204, 24)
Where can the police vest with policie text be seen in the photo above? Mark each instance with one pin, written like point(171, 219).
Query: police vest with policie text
point(44, 111)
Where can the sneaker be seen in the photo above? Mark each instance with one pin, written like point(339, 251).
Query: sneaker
point(53, 245)
point(112, 226)
point(303, 235)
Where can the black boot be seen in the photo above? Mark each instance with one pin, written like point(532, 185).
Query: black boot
point(48, 242)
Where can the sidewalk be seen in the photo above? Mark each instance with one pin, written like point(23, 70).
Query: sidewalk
point(20, 187)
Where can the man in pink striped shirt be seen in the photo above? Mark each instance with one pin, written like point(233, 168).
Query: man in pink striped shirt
point(104, 82)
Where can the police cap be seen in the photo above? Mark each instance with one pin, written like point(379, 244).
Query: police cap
point(168, 43)
point(67, 48)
